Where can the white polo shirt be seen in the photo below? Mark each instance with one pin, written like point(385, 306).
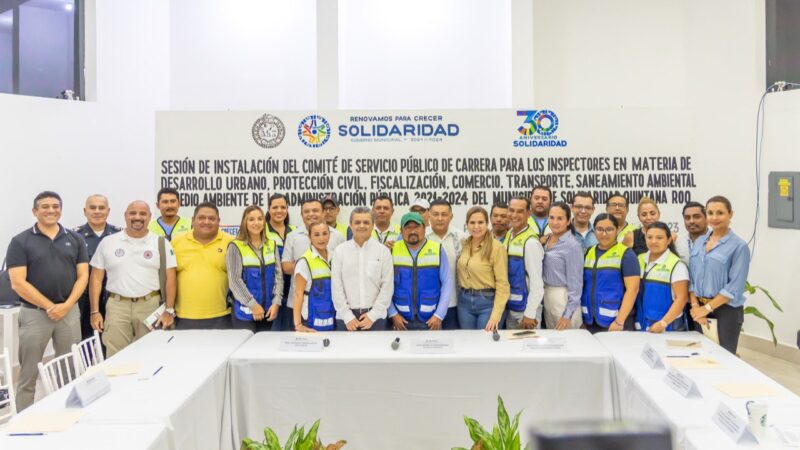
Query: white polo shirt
point(131, 264)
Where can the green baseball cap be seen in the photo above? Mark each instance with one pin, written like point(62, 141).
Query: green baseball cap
point(411, 217)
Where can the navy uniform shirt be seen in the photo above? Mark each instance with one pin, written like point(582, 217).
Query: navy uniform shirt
point(92, 239)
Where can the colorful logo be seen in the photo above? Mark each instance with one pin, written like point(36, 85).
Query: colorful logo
point(314, 131)
point(542, 122)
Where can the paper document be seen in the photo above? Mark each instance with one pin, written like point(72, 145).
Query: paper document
point(115, 370)
point(679, 343)
point(694, 363)
point(710, 330)
point(44, 422)
point(746, 390)
point(150, 321)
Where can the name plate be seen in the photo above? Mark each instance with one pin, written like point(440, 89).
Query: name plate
point(87, 389)
point(732, 425)
point(651, 357)
point(432, 346)
point(681, 383)
point(539, 344)
point(301, 344)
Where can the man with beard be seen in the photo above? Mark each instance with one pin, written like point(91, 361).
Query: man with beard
point(421, 279)
point(694, 219)
point(498, 215)
point(131, 260)
point(170, 224)
point(541, 198)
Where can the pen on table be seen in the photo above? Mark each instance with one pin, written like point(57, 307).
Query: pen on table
point(396, 343)
point(158, 370)
point(683, 356)
point(170, 339)
point(26, 434)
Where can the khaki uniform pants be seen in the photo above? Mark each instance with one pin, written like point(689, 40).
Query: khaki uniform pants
point(124, 321)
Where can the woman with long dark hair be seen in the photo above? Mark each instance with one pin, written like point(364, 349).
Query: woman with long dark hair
point(278, 228)
point(665, 283)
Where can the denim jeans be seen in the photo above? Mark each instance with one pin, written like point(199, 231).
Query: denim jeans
point(474, 309)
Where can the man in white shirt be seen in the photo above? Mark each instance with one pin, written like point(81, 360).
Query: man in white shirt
point(362, 277)
point(297, 242)
point(452, 242)
point(131, 259)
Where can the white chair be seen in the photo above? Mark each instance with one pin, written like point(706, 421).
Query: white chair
point(8, 404)
point(58, 372)
point(87, 353)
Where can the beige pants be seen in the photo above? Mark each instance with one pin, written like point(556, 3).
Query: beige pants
point(124, 321)
point(555, 301)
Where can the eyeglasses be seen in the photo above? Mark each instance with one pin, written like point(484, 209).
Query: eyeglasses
point(617, 205)
point(605, 230)
point(329, 208)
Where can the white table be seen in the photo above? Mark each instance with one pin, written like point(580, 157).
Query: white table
point(643, 394)
point(186, 397)
point(374, 397)
point(90, 436)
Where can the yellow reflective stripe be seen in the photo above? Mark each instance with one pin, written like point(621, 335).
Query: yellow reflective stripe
point(611, 259)
point(400, 260)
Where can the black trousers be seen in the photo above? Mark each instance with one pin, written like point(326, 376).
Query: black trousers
point(729, 326)
point(217, 323)
point(254, 325)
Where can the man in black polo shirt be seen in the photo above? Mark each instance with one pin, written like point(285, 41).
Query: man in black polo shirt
point(49, 269)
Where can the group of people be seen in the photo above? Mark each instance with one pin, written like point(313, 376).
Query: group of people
point(526, 264)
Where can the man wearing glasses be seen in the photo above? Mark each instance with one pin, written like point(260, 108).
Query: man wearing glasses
point(582, 210)
point(617, 206)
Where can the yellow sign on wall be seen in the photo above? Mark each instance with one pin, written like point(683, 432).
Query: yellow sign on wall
point(784, 185)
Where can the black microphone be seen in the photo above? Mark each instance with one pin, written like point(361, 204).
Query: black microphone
point(326, 342)
point(396, 343)
point(495, 335)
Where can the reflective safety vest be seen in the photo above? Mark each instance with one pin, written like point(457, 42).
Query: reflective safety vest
point(278, 239)
point(629, 228)
point(603, 285)
point(321, 314)
point(417, 287)
point(342, 229)
point(180, 227)
point(535, 227)
point(257, 275)
point(392, 235)
point(517, 275)
point(655, 294)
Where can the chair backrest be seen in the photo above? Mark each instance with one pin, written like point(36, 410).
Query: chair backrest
point(8, 405)
point(58, 372)
point(87, 353)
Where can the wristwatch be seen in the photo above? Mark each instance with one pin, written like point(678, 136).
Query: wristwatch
point(170, 311)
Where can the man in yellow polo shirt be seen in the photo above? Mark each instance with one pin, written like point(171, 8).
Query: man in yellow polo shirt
point(202, 275)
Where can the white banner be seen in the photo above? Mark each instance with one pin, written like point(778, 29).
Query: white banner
point(469, 157)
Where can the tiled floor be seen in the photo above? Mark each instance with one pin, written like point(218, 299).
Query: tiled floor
point(782, 371)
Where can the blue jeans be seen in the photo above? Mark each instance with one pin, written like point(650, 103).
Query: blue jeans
point(474, 309)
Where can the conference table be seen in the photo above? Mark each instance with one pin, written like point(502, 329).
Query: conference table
point(643, 394)
point(416, 396)
point(175, 400)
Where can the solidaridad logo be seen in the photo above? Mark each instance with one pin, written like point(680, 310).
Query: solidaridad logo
point(314, 131)
point(538, 129)
point(268, 131)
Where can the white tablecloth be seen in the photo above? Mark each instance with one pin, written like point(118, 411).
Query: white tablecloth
point(643, 394)
point(377, 398)
point(187, 396)
point(90, 436)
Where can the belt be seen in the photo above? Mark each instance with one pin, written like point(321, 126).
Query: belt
point(144, 298)
point(477, 291)
point(32, 306)
point(359, 311)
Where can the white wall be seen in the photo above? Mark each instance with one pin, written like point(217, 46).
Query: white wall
point(79, 148)
point(424, 54)
point(243, 54)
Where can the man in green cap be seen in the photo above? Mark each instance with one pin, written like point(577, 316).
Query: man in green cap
point(421, 279)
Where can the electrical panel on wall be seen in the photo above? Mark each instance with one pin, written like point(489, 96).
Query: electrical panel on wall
point(784, 202)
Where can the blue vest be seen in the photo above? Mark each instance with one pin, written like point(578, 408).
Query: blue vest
point(321, 313)
point(417, 287)
point(517, 275)
point(603, 285)
point(655, 294)
point(259, 277)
